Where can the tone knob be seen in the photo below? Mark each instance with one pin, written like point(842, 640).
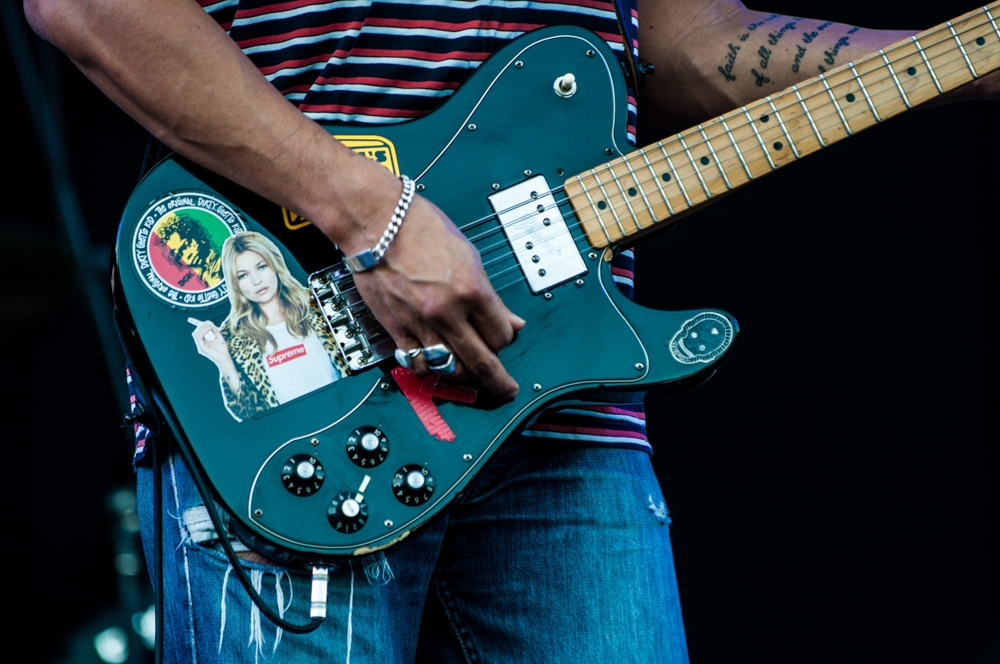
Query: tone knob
point(348, 512)
point(302, 475)
point(367, 447)
point(413, 485)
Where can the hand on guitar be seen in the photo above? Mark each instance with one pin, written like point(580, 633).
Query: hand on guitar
point(431, 288)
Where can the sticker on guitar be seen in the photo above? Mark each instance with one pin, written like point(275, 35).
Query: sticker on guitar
point(702, 338)
point(377, 148)
point(177, 248)
point(274, 346)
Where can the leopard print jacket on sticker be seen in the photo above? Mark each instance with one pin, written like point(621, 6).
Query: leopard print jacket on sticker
point(256, 394)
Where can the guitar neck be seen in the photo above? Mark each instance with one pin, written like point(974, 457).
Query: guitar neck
point(650, 187)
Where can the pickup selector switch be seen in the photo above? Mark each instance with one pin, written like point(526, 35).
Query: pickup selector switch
point(348, 512)
point(413, 485)
point(302, 475)
point(367, 447)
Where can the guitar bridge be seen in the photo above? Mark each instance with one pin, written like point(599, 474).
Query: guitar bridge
point(362, 340)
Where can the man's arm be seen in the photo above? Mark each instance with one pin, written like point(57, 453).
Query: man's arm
point(712, 56)
point(175, 71)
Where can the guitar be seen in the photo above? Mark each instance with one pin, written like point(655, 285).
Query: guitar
point(357, 456)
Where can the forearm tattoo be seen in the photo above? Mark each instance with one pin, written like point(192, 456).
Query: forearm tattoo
point(768, 56)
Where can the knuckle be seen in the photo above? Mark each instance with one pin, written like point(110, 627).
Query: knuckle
point(481, 367)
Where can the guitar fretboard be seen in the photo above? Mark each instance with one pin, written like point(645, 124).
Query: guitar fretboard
point(637, 193)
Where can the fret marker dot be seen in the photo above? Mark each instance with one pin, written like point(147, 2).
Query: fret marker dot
point(602, 205)
point(778, 145)
point(632, 191)
point(764, 118)
point(980, 41)
point(912, 71)
point(850, 97)
point(666, 177)
point(704, 161)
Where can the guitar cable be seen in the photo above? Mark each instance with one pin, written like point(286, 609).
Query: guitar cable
point(320, 572)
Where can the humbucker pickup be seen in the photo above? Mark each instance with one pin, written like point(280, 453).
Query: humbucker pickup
point(538, 234)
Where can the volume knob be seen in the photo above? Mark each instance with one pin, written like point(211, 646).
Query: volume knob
point(367, 447)
point(302, 475)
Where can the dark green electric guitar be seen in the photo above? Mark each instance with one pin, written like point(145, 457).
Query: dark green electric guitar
point(312, 440)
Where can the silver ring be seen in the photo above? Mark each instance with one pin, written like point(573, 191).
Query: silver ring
point(405, 357)
point(447, 367)
point(436, 353)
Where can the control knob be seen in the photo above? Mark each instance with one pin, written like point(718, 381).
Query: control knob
point(302, 475)
point(413, 485)
point(348, 512)
point(367, 447)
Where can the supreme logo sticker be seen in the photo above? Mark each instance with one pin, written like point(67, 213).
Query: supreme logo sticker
point(377, 148)
point(282, 356)
point(177, 248)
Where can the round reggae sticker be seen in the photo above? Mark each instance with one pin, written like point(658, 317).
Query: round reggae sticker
point(178, 248)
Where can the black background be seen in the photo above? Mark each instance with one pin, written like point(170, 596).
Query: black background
point(833, 488)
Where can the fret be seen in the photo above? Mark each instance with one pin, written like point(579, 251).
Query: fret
point(697, 171)
point(864, 91)
point(802, 102)
point(656, 179)
point(593, 206)
point(949, 52)
point(677, 178)
point(617, 181)
point(715, 157)
point(635, 217)
point(894, 79)
point(993, 21)
point(833, 98)
point(635, 179)
point(927, 63)
point(961, 47)
point(607, 199)
point(736, 146)
point(781, 123)
point(759, 139)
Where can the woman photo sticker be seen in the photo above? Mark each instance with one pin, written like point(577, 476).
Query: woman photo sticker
point(274, 346)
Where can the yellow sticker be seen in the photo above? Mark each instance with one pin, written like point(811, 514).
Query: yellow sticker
point(292, 220)
point(378, 149)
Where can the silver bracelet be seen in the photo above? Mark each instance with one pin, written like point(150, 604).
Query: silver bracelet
point(369, 258)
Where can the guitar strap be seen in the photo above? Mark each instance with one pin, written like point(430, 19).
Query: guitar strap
point(633, 68)
point(155, 151)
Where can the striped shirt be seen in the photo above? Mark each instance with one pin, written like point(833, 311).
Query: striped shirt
point(386, 61)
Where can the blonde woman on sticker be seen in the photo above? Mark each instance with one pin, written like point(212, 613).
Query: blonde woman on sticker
point(274, 346)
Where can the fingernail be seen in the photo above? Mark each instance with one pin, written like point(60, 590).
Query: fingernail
point(519, 319)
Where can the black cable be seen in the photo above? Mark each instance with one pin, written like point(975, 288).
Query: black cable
point(213, 514)
point(157, 553)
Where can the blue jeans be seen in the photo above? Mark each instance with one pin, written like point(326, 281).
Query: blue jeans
point(556, 554)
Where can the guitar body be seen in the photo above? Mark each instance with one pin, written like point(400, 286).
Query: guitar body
point(581, 335)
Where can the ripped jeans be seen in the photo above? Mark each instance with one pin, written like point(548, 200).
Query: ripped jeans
point(556, 554)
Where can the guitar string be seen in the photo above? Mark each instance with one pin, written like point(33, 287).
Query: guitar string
point(796, 104)
point(728, 164)
point(573, 226)
point(662, 145)
point(730, 161)
point(767, 105)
